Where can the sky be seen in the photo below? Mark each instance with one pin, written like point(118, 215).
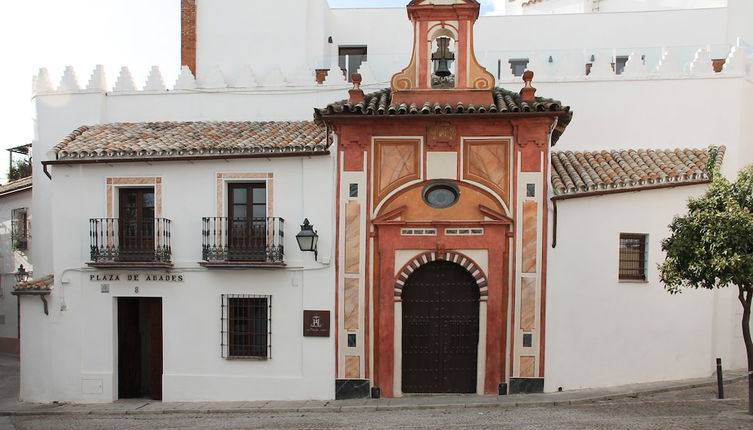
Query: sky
point(83, 33)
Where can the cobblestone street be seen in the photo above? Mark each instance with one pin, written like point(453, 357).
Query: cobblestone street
point(684, 409)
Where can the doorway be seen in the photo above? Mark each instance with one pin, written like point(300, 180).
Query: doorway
point(247, 212)
point(136, 233)
point(440, 307)
point(140, 348)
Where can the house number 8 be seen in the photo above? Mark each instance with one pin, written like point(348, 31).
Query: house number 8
point(136, 290)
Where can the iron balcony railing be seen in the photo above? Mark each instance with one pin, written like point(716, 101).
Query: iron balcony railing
point(243, 239)
point(126, 240)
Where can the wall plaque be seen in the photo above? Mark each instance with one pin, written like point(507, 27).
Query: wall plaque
point(316, 323)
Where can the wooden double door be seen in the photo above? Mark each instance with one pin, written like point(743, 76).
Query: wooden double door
point(140, 347)
point(440, 325)
point(247, 222)
point(137, 224)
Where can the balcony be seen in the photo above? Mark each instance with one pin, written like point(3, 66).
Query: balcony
point(130, 243)
point(243, 242)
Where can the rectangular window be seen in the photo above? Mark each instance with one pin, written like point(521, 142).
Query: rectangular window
point(19, 228)
point(246, 326)
point(518, 66)
point(351, 58)
point(633, 256)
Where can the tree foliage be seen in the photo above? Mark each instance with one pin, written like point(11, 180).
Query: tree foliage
point(712, 247)
point(20, 169)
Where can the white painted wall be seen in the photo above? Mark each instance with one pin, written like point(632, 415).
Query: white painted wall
point(603, 332)
point(85, 335)
point(287, 33)
point(647, 112)
point(10, 259)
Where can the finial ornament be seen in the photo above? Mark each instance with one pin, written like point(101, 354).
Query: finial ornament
point(356, 93)
point(528, 93)
point(356, 78)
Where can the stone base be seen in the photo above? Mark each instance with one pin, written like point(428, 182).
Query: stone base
point(352, 389)
point(526, 385)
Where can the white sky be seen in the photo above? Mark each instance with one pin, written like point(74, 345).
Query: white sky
point(84, 33)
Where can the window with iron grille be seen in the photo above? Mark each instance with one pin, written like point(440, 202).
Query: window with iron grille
point(246, 326)
point(633, 257)
point(19, 228)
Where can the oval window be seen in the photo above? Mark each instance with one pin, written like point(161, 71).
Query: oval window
point(441, 195)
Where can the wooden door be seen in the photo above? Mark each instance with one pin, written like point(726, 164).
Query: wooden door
point(247, 222)
point(140, 348)
point(136, 232)
point(129, 348)
point(440, 307)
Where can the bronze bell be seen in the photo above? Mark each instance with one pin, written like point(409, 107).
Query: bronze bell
point(442, 57)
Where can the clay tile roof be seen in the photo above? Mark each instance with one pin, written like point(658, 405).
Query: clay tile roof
point(186, 139)
point(577, 174)
point(15, 186)
point(380, 103)
point(35, 286)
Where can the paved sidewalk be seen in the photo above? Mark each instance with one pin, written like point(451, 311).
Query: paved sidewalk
point(9, 407)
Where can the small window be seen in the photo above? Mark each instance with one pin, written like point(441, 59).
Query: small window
point(351, 58)
point(518, 66)
point(19, 228)
point(441, 194)
point(246, 327)
point(633, 256)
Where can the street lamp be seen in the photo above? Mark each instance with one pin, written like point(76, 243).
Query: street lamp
point(307, 238)
point(21, 274)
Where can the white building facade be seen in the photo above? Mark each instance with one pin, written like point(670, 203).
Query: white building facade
point(657, 80)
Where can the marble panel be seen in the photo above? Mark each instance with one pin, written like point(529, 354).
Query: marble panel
point(528, 304)
point(488, 162)
point(397, 163)
point(352, 366)
point(351, 304)
point(526, 385)
point(527, 366)
point(352, 236)
point(530, 242)
point(346, 389)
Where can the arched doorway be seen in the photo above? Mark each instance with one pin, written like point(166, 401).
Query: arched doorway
point(440, 330)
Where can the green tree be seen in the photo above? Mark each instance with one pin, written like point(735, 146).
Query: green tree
point(21, 168)
point(712, 247)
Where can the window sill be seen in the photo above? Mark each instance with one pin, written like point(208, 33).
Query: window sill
point(632, 281)
point(247, 358)
point(241, 264)
point(129, 265)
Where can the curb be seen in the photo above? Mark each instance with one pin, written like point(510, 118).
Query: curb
point(374, 408)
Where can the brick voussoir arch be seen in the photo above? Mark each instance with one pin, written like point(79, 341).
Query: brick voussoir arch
point(451, 256)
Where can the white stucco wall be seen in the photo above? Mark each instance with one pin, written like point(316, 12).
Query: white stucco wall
point(10, 259)
point(603, 332)
point(84, 336)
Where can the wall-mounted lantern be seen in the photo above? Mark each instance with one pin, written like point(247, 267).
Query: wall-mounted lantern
point(307, 238)
point(21, 274)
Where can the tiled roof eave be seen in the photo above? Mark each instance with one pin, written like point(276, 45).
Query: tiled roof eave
point(217, 155)
point(475, 115)
point(628, 189)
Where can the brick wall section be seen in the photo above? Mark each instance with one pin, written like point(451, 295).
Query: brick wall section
point(188, 34)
